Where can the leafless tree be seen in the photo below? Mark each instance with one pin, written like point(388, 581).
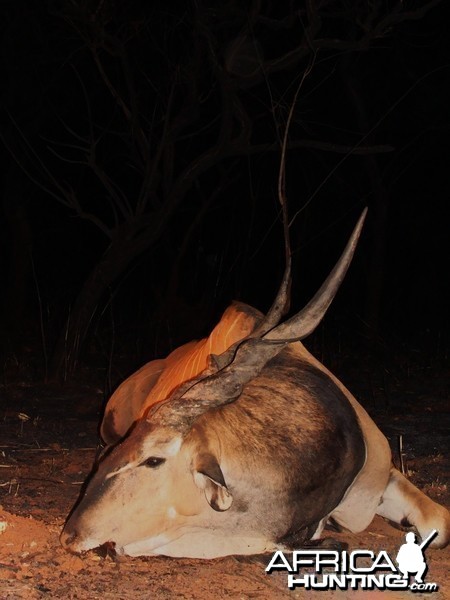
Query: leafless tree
point(169, 96)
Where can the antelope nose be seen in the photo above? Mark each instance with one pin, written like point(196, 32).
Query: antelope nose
point(67, 538)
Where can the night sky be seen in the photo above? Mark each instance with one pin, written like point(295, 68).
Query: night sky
point(141, 145)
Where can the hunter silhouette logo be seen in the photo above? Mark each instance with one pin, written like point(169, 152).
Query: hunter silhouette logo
point(410, 558)
point(360, 569)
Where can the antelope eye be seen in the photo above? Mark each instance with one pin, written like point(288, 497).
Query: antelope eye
point(153, 462)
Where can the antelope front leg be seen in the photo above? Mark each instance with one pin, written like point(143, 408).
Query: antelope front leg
point(406, 505)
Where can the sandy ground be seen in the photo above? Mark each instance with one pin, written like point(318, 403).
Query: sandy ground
point(48, 440)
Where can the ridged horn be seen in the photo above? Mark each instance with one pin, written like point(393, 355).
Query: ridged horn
point(305, 322)
point(195, 397)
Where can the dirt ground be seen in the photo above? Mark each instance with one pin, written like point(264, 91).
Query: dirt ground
point(48, 441)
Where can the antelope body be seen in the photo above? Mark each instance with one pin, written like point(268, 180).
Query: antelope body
point(243, 443)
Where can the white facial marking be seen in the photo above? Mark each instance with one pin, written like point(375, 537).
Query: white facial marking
point(174, 446)
point(171, 512)
point(87, 544)
point(150, 447)
point(122, 470)
point(146, 546)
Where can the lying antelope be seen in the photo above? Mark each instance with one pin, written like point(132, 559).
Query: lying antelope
point(243, 443)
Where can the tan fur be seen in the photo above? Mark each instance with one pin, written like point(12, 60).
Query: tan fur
point(357, 509)
point(402, 500)
point(226, 487)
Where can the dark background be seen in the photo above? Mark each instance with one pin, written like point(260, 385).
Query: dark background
point(141, 152)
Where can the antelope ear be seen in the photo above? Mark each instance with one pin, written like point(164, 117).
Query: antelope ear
point(208, 477)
